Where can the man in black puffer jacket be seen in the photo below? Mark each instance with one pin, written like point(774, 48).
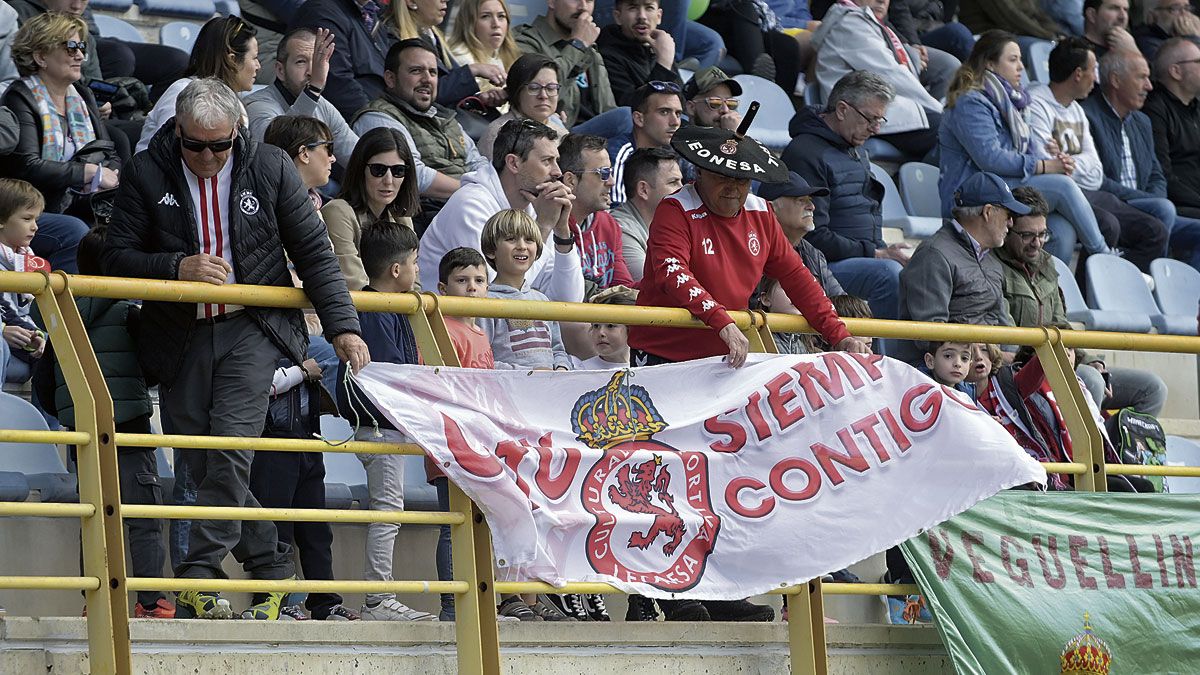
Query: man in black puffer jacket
point(205, 203)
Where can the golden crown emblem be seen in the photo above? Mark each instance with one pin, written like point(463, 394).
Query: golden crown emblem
point(1086, 654)
point(615, 413)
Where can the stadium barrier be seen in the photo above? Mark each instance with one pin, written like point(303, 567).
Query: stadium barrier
point(106, 584)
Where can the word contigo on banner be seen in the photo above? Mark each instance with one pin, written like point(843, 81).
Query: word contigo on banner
point(697, 479)
point(1065, 582)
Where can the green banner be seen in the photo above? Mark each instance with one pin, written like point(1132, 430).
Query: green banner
point(1012, 582)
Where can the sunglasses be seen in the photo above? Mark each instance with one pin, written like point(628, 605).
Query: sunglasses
point(193, 145)
point(378, 170)
point(76, 45)
point(605, 172)
point(659, 85)
point(715, 102)
point(316, 144)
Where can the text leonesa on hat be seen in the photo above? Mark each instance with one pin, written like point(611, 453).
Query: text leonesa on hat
point(718, 160)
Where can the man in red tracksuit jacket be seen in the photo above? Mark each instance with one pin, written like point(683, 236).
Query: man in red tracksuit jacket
point(710, 244)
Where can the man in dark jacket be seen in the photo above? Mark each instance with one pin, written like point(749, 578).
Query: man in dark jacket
point(1165, 19)
point(207, 204)
point(635, 51)
point(356, 67)
point(826, 149)
point(1174, 113)
point(1125, 142)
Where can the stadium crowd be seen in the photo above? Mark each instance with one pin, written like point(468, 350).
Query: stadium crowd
point(346, 145)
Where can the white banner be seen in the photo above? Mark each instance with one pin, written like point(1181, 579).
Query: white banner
point(699, 480)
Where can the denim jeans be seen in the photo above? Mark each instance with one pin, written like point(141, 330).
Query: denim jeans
point(444, 559)
point(322, 352)
point(1066, 199)
point(1184, 232)
point(616, 125)
point(701, 43)
point(875, 280)
point(1068, 14)
point(57, 240)
point(953, 38)
point(385, 492)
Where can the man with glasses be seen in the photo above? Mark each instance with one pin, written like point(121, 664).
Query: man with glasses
point(635, 50)
point(587, 171)
point(827, 150)
point(1165, 19)
point(711, 99)
point(206, 204)
point(442, 151)
point(657, 115)
point(953, 277)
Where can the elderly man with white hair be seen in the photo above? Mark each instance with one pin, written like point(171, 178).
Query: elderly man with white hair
point(206, 203)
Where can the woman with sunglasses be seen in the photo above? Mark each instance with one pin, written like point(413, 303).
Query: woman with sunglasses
point(375, 188)
point(420, 19)
point(58, 116)
point(481, 36)
point(225, 49)
point(532, 89)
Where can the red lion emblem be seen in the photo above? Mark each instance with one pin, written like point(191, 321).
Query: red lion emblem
point(633, 493)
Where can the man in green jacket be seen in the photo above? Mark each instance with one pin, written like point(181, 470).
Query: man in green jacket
point(567, 34)
point(1030, 279)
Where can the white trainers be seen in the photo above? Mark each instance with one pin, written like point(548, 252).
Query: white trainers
point(392, 610)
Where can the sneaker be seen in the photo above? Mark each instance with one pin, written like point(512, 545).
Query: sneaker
point(595, 607)
point(684, 610)
point(201, 605)
point(393, 610)
point(907, 610)
point(545, 608)
point(291, 613)
point(738, 610)
point(515, 607)
point(641, 608)
point(572, 605)
point(267, 607)
point(160, 610)
point(340, 613)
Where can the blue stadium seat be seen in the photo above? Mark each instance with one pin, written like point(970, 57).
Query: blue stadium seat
point(228, 8)
point(39, 462)
point(345, 478)
point(1116, 287)
point(1037, 56)
point(880, 150)
point(110, 6)
point(200, 9)
point(1077, 309)
point(775, 112)
point(1177, 290)
point(14, 487)
point(179, 34)
point(919, 189)
point(112, 27)
point(1182, 452)
point(894, 213)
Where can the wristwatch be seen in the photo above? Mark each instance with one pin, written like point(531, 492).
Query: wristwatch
point(314, 90)
point(577, 44)
point(562, 241)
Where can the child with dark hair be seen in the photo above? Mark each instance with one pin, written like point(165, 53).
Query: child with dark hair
point(20, 205)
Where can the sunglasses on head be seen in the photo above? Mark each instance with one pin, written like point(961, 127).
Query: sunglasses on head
point(73, 45)
point(193, 145)
point(378, 170)
point(659, 85)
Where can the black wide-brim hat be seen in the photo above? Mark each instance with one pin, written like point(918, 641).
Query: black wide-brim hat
point(729, 153)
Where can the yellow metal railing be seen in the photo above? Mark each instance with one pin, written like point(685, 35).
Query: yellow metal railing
point(106, 584)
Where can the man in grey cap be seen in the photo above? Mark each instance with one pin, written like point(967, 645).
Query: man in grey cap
point(794, 208)
point(952, 276)
point(712, 101)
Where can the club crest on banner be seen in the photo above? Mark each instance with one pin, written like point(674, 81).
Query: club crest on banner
point(667, 526)
point(1086, 654)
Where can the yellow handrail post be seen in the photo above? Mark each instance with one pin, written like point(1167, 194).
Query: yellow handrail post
point(99, 483)
point(427, 342)
point(1087, 445)
point(441, 334)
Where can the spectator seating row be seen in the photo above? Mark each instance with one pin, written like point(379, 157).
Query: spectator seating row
point(1119, 299)
point(201, 9)
point(111, 26)
point(38, 463)
point(179, 34)
point(895, 211)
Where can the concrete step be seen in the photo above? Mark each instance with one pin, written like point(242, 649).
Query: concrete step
point(59, 646)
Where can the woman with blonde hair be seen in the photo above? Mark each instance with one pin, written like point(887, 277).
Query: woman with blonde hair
point(57, 115)
point(420, 19)
point(481, 35)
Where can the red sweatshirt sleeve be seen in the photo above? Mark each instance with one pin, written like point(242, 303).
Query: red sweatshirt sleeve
point(668, 266)
point(802, 289)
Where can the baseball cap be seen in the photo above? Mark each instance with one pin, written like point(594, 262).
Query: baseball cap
point(795, 186)
point(987, 188)
point(707, 79)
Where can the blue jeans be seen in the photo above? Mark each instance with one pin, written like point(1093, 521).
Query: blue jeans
point(445, 564)
point(875, 280)
point(952, 38)
point(322, 352)
point(1068, 14)
point(57, 240)
point(1066, 199)
point(701, 43)
point(1184, 232)
point(616, 125)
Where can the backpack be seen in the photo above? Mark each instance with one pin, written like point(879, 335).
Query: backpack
point(1140, 439)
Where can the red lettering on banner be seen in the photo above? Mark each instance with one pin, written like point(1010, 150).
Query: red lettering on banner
point(923, 398)
point(1185, 569)
point(479, 464)
point(554, 487)
point(826, 387)
point(1140, 579)
point(866, 428)
point(778, 398)
point(1059, 580)
point(1022, 579)
point(970, 540)
point(852, 459)
point(941, 551)
point(1112, 579)
point(811, 474)
point(868, 362)
point(735, 487)
point(721, 427)
point(1161, 559)
point(959, 397)
point(902, 441)
point(512, 453)
point(754, 414)
point(1077, 544)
